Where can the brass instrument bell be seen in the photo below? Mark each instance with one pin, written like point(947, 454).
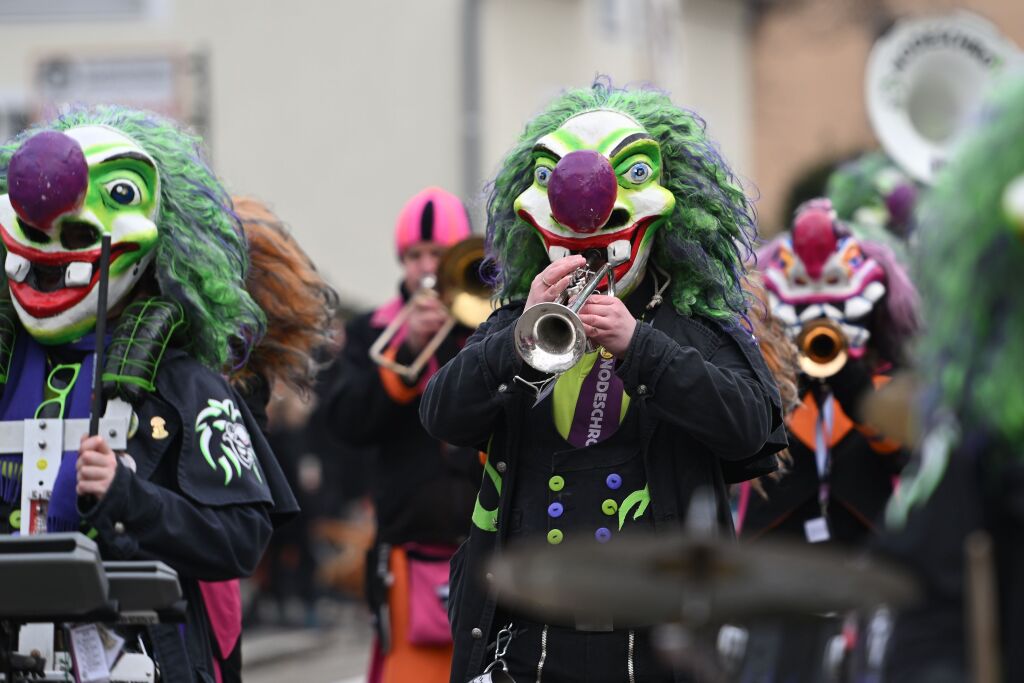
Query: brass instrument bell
point(462, 290)
point(823, 348)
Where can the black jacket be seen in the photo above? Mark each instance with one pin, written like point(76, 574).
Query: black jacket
point(709, 415)
point(862, 470)
point(423, 487)
point(179, 508)
point(978, 485)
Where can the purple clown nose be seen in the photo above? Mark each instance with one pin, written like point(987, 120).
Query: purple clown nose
point(47, 177)
point(582, 191)
point(900, 203)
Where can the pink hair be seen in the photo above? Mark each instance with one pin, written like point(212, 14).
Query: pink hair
point(902, 305)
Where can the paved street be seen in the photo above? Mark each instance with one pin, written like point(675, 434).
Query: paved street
point(337, 655)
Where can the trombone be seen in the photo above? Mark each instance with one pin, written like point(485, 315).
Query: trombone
point(823, 348)
point(549, 336)
point(463, 292)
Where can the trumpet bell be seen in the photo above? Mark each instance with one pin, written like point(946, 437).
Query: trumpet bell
point(470, 309)
point(461, 284)
point(464, 293)
point(822, 347)
point(549, 337)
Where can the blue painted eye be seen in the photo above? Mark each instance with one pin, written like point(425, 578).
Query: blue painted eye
point(124, 192)
point(542, 175)
point(639, 173)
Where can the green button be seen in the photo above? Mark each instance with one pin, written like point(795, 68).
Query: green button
point(555, 536)
point(556, 483)
point(15, 519)
point(609, 507)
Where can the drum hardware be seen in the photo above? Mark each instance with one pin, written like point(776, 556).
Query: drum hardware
point(462, 290)
point(52, 579)
point(549, 336)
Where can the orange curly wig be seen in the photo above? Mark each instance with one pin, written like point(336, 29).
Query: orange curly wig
point(780, 355)
point(298, 302)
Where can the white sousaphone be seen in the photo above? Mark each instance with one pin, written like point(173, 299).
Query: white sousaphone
point(925, 77)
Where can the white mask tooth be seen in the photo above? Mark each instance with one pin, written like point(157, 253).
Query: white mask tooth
point(832, 312)
point(77, 274)
point(811, 312)
point(555, 253)
point(857, 307)
point(874, 291)
point(786, 313)
point(17, 267)
point(619, 252)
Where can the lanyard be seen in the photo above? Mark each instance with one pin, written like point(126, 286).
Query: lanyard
point(822, 454)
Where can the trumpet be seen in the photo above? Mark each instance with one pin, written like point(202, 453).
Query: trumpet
point(823, 348)
point(549, 336)
point(463, 292)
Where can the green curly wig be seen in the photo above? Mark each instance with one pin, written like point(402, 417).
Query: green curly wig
point(201, 257)
point(702, 244)
point(970, 259)
point(871, 186)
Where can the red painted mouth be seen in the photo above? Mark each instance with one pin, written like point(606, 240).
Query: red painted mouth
point(635, 235)
point(46, 304)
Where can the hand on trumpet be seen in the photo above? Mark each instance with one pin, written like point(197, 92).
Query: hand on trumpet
point(553, 280)
point(427, 316)
point(608, 323)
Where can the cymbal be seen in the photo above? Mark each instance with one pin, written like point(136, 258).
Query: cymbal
point(644, 580)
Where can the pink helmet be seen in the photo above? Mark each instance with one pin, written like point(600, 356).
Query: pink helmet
point(432, 215)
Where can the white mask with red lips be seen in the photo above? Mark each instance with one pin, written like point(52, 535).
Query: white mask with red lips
point(597, 185)
point(65, 191)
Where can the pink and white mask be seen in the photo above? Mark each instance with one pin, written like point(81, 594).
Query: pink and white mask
point(819, 271)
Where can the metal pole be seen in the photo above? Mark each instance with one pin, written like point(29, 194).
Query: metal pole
point(471, 119)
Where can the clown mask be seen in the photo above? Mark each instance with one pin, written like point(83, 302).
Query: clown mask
point(65, 191)
point(819, 272)
point(597, 186)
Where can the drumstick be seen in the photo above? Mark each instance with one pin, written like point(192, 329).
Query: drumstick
point(101, 333)
point(982, 609)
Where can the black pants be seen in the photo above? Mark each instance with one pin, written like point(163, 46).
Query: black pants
point(579, 656)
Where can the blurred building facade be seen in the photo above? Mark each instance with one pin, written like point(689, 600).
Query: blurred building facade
point(337, 112)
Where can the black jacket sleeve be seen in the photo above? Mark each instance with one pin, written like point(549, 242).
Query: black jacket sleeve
point(716, 398)
point(203, 490)
point(463, 399)
point(138, 519)
point(356, 404)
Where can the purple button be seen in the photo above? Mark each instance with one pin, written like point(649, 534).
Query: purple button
point(555, 510)
point(603, 535)
point(614, 481)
